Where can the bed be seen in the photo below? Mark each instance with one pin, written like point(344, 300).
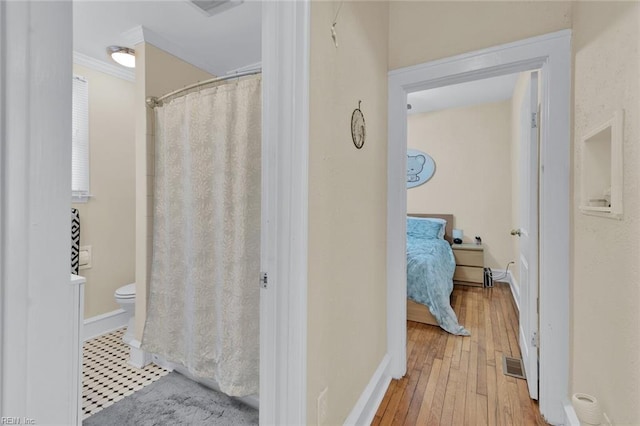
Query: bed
point(430, 267)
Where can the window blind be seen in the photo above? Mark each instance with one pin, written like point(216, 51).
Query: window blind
point(80, 140)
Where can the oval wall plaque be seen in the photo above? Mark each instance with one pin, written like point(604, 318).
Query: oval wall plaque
point(420, 167)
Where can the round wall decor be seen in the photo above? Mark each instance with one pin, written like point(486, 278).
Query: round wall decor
point(420, 167)
point(358, 127)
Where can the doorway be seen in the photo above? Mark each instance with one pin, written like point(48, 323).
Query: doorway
point(39, 140)
point(482, 139)
point(550, 53)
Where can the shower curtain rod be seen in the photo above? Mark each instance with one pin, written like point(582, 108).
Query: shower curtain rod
point(155, 102)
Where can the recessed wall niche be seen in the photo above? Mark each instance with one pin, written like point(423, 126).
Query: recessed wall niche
point(601, 169)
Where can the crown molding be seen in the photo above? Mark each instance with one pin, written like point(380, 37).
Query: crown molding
point(141, 34)
point(105, 67)
point(133, 36)
point(250, 67)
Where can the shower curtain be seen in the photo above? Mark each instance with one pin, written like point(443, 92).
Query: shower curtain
point(203, 300)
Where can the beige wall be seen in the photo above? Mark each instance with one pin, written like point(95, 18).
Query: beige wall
point(605, 343)
point(423, 31)
point(606, 253)
point(157, 73)
point(107, 221)
point(471, 147)
point(347, 205)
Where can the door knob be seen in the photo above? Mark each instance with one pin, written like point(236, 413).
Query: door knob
point(516, 232)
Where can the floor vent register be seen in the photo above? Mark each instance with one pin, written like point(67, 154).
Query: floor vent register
point(513, 367)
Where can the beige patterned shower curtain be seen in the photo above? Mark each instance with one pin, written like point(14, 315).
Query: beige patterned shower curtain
point(203, 303)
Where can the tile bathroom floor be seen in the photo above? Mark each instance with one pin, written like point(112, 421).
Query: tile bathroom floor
point(107, 376)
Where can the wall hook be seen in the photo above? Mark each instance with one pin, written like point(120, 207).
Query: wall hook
point(334, 35)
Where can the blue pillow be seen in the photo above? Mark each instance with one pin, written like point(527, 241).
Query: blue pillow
point(436, 220)
point(424, 229)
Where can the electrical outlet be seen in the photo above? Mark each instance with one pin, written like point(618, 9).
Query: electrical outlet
point(323, 407)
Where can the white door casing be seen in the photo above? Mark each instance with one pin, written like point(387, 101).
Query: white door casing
point(38, 305)
point(552, 54)
point(285, 142)
point(528, 233)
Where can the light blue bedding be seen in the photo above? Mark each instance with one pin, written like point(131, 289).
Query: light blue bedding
point(430, 267)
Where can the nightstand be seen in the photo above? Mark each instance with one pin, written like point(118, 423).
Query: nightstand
point(469, 264)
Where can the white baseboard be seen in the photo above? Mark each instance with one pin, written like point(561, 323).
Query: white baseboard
point(507, 277)
point(570, 416)
point(365, 409)
point(161, 362)
point(103, 324)
point(138, 357)
point(515, 290)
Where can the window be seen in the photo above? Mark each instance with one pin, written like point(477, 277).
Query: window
point(80, 141)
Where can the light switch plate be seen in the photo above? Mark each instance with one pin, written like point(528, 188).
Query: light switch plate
point(89, 257)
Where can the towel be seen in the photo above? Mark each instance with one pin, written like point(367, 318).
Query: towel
point(75, 241)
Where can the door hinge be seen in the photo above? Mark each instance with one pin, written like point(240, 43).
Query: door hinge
point(264, 280)
point(534, 120)
point(535, 339)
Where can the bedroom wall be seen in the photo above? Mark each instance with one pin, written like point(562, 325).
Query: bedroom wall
point(347, 205)
point(605, 290)
point(107, 220)
point(471, 147)
point(421, 31)
point(157, 73)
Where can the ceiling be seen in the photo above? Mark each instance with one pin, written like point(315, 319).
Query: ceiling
point(477, 92)
point(226, 41)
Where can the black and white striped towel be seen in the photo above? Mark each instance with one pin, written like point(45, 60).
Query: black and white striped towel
point(75, 241)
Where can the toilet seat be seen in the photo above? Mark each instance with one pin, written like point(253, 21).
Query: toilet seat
point(126, 292)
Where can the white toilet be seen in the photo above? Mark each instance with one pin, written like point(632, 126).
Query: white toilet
point(126, 298)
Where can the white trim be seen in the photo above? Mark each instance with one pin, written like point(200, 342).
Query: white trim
point(570, 416)
point(77, 282)
point(552, 53)
point(250, 67)
point(141, 34)
point(529, 42)
point(285, 147)
point(80, 199)
point(365, 409)
point(513, 284)
point(104, 67)
point(162, 362)
point(40, 309)
point(3, 196)
point(103, 324)
point(137, 356)
point(133, 36)
point(515, 289)
point(217, 9)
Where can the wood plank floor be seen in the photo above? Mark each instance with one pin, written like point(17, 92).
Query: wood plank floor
point(455, 380)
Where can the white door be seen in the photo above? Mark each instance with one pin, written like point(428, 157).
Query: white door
point(528, 233)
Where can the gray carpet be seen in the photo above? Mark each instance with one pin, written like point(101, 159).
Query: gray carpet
point(175, 400)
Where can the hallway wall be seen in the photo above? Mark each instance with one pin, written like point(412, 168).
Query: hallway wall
point(347, 206)
point(605, 287)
